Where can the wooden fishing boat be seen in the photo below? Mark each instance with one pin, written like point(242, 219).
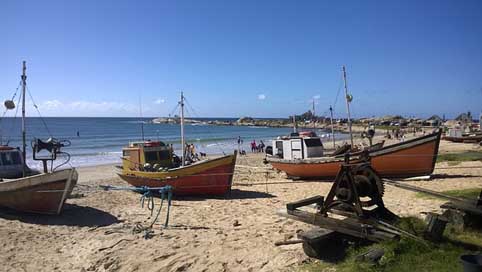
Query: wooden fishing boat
point(205, 177)
point(43, 193)
point(458, 136)
point(415, 157)
point(154, 164)
point(26, 190)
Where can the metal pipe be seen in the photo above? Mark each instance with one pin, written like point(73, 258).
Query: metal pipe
point(332, 128)
point(183, 159)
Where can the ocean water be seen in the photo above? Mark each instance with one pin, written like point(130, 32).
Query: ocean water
point(100, 140)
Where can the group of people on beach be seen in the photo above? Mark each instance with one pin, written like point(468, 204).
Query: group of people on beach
point(255, 148)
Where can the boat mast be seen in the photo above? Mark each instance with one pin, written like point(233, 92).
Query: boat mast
point(182, 129)
point(140, 113)
point(24, 141)
point(294, 124)
point(313, 115)
point(348, 99)
point(332, 128)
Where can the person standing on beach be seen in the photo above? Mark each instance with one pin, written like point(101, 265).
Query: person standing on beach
point(261, 147)
point(253, 146)
point(239, 143)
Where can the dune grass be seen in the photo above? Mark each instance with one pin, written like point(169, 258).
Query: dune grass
point(471, 193)
point(455, 158)
point(409, 255)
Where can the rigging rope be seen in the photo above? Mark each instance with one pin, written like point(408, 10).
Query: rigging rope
point(197, 115)
point(38, 111)
point(15, 116)
point(338, 92)
point(5, 112)
point(148, 193)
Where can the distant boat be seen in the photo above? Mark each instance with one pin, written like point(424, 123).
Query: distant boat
point(459, 136)
point(305, 159)
point(26, 190)
point(154, 164)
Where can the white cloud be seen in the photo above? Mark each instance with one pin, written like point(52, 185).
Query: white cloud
point(261, 96)
point(51, 104)
point(160, 101)
point(316, 97)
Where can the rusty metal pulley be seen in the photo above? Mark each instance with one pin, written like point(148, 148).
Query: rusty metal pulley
point(367, 185)
point(9, 104)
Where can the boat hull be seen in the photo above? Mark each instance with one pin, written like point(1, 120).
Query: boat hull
point(465, 139)
point(210, 177)
point(43, 193)
point(407, 159)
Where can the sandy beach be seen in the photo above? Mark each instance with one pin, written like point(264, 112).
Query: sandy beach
point(235, 233)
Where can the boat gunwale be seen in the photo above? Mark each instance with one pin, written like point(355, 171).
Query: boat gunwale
point(10, 185)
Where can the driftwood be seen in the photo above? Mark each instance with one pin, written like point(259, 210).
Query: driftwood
point(116, 243)
point(289, 242)
point(373, 255)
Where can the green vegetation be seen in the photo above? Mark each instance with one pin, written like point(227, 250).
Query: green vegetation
point(409, 255)
point(455, 158)
point(467, 193)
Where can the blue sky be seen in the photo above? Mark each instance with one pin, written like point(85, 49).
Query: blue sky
point(244, 58)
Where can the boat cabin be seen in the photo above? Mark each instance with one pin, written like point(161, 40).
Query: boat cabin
point(301, 145)
point(148, 155)
point(11, 162)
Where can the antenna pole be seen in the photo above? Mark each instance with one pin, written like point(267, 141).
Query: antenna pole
point(314, 117)
point(142, 122)
point(332, 128)
point(183, 159)
point(294, 124)
point(24, 134)
point(347, 98)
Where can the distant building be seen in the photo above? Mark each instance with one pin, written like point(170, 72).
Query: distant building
point(480, 121)
point(464, 118)
point(433, 121)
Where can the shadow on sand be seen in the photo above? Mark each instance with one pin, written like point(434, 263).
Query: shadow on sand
point(72, 215)
point(234, 194)
point(449, 176)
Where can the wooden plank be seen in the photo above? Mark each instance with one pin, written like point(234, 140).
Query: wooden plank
point(346, 226)
point(463, 206)
point(422, 190)
point(316, 234)
point(305, 202)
